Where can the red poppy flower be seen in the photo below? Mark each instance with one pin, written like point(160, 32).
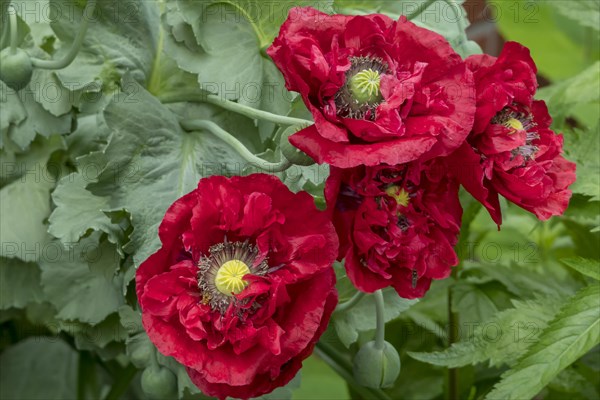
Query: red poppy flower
point(511, 150)
point(397, 225)
point(242, 287)
point(380, 91)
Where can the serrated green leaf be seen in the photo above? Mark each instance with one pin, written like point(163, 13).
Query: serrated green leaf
point(151, 162)
point(499, 340)
point(19, 283)
point(572, 333)
point(360, 318)
point(38, 368)
point(81, 280)
point(566, 95)
point(584, 266)
point(583, 147)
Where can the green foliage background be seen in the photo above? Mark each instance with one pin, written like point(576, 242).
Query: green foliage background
point(93, 154)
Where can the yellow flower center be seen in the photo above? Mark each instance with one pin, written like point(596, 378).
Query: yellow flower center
point(514, 124)
point(228, 279)
point(400, 195)
point(365, 86)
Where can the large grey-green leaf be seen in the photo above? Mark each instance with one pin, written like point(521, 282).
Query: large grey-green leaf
point(585, 12)
point(81, 280)
point(572, 333)
point(151, 162)
point(499, 340)
point(78, 210)
point(203, 39)
point(122, 36)
point(12, 111)
point(361, 317)
point(263, 17)
point(448, 18)
point(24, 206)
point(19, 283)
point(23, 117)
point(38, 368)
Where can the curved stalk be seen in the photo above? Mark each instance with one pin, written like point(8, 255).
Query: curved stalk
point(236, 145)
point(379, 309)
point(345, 306)
point(203, 97)
point(420, 10)
point(75, 46)
point(344, 369)
point(12, 14)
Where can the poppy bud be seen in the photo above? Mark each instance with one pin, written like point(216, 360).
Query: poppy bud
point(376, 367)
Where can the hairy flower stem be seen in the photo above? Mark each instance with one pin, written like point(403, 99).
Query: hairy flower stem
point(203, 97)
point(343, 368)
point(199, 124)
point(453, 336)
point(379, 310)
point(420, 10)
point(75, 46)
point(12, 12)
point(345, 306)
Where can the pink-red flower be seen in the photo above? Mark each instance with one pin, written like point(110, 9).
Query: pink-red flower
point(511, 150)
point(243, 285)
point(397, 224)
point(380, 91)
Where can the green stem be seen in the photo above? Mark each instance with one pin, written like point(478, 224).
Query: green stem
point(75, 46)
point(453, 320)
point(420, 10)
point(238, 146)
point(122, 383)
point(344, 369)
point(460, 24)
point(203, 97)
point(86, 376)
point(379, 309)
point(12, 13)
point(345, 306)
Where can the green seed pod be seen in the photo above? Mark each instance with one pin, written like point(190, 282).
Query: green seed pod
point(141, 355)
point(158, 382)
point(376, 368)
point(290, 152)
point(15, 69)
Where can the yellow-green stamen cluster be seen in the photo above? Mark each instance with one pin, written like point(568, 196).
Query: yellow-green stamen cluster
point(221, 273)
point(399, 194)
point(364, 86)
point(359, 97)
point(229, 278)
